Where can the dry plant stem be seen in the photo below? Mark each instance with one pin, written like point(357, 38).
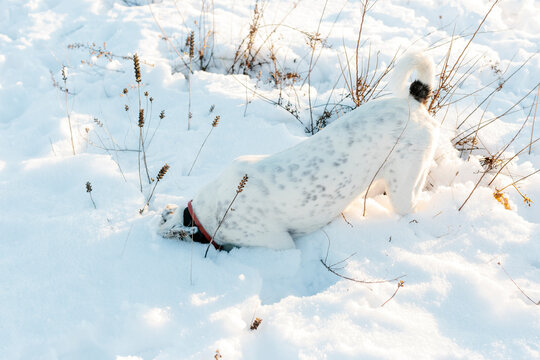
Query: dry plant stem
point(240, 188)
point(155, 130)
point(139, 163)
point(519, 131)
point(500, 153)
point(364, 11)
point(476, 132)
point(512, 158)
point(347, 221)
point(399, 285)
point(189, 93)
point(67, 113)
point(191, 261)
point(199, 152)
point(162, 173)
point(329, 268)
point(313, 46)
point(501, 84)
point(534, 117)
point(103, 147)
point(485, 172)
point(447, 78)
point(276, 26)
point(465, 134)
point(91, 198)
point(144, 156)
point(270, 101)
point(520, 179)
point(165, 36)
point(384, 162)
point(220, 222)
point(125, 242)
point(521, 290)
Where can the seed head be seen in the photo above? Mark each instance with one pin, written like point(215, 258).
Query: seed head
point(126, 107)
point(137, 68)
point(191, 41)
point(146, 93)
point(64, 72)
point(162, 172)
point(242, 184)
point(255, 324)
point(125, 91)
point(151, 99)
point(88, 187)
point(141, 118)
point(216, 121)
point(162, 114)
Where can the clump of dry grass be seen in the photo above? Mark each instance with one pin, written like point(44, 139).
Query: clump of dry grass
point(448, 82)
point(495, 161)
point(245, 56)
point(363, 81)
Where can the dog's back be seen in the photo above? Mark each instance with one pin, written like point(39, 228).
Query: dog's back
point(303, 188)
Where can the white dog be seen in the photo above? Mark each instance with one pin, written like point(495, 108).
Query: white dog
point(303, 188)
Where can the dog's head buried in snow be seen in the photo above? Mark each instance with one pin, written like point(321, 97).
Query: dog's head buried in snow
point(303, 188)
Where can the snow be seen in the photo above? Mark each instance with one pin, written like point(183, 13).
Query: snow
point(84, 283)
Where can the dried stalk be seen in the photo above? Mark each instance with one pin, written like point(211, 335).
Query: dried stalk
point(400, 284)
point(384, 162)
point(520, 289)
point(64, 77)
point(214, 124)
point(240, 188)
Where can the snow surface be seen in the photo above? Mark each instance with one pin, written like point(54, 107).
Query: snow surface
point(84, 283)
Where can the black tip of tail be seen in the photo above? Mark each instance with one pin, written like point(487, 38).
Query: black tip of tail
point(420, 91)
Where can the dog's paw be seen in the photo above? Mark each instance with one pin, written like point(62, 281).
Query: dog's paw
point(167, 213)
point(171, 224)
point(178, 231)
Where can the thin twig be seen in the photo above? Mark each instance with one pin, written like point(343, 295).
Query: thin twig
point(400, 284)
point(521, 290)
point(534, 118)
point(384, 162)
point(313, 45)
point(356, 280)
point(485, 172)
point(214, 124)
point(125, 242)
point(347, 221)
point(520, 179)
point(238, 191)
point(64, 77)
point(165, 36)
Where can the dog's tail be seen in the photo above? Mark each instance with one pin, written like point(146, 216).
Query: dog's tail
point(420, 89)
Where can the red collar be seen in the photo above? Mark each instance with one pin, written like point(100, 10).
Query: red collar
point(201, 228)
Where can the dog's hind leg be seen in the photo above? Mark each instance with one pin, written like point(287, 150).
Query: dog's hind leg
point(405, 184)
